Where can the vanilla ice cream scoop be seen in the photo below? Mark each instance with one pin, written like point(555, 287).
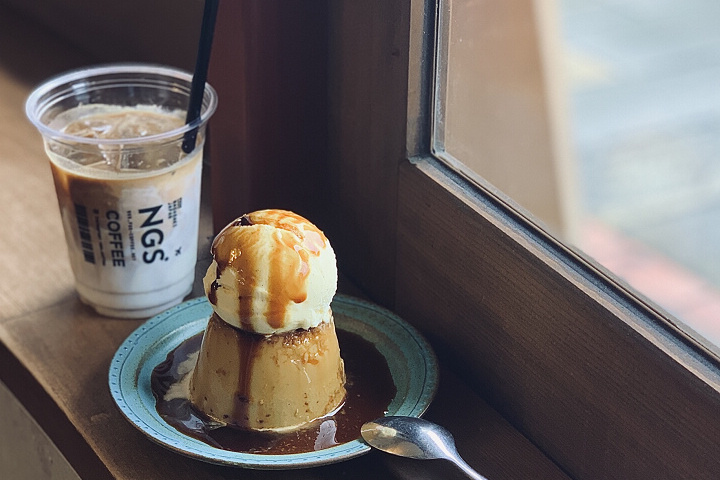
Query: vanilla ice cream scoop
point(273, 271)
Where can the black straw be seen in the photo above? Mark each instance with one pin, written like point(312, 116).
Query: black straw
point(197, 89)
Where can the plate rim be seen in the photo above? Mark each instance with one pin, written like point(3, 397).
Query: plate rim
point(130, 360)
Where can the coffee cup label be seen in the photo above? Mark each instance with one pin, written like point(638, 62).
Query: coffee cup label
point(131, 233)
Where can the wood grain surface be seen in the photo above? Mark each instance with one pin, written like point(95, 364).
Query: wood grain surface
point(602, 385)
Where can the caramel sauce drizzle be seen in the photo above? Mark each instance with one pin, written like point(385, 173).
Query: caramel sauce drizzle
point(295, 240)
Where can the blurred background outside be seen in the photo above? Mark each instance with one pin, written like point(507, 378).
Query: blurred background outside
point(642, 79)
point(635, 179)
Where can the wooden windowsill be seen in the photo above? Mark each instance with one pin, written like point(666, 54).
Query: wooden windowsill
point(55, 352)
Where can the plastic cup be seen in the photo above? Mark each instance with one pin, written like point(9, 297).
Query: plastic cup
point(129, 197)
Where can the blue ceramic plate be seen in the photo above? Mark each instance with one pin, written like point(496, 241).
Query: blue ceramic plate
point(412, 364)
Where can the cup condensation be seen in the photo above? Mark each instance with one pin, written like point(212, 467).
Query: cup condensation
point(129, 196)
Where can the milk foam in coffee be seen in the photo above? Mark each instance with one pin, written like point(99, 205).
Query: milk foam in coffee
point(130, 214)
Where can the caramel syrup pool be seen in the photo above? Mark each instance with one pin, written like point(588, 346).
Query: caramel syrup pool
point(369, 385)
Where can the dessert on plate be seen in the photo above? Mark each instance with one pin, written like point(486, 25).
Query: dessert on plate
point(270, 359)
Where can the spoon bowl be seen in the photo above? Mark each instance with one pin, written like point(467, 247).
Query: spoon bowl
point(414, 438)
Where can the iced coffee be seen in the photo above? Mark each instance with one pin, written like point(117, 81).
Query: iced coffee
point(128, 193)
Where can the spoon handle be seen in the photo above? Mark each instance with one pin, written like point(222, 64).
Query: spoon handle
point(467, 469)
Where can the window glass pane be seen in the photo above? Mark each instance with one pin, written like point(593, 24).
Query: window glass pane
point(602, 118)
point(491, 104)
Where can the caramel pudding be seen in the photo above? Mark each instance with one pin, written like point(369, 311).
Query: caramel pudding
point(370, 389)
point(268, 382)
point(269, 359)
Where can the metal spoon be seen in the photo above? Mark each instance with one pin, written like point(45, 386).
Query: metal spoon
point(415, 438)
